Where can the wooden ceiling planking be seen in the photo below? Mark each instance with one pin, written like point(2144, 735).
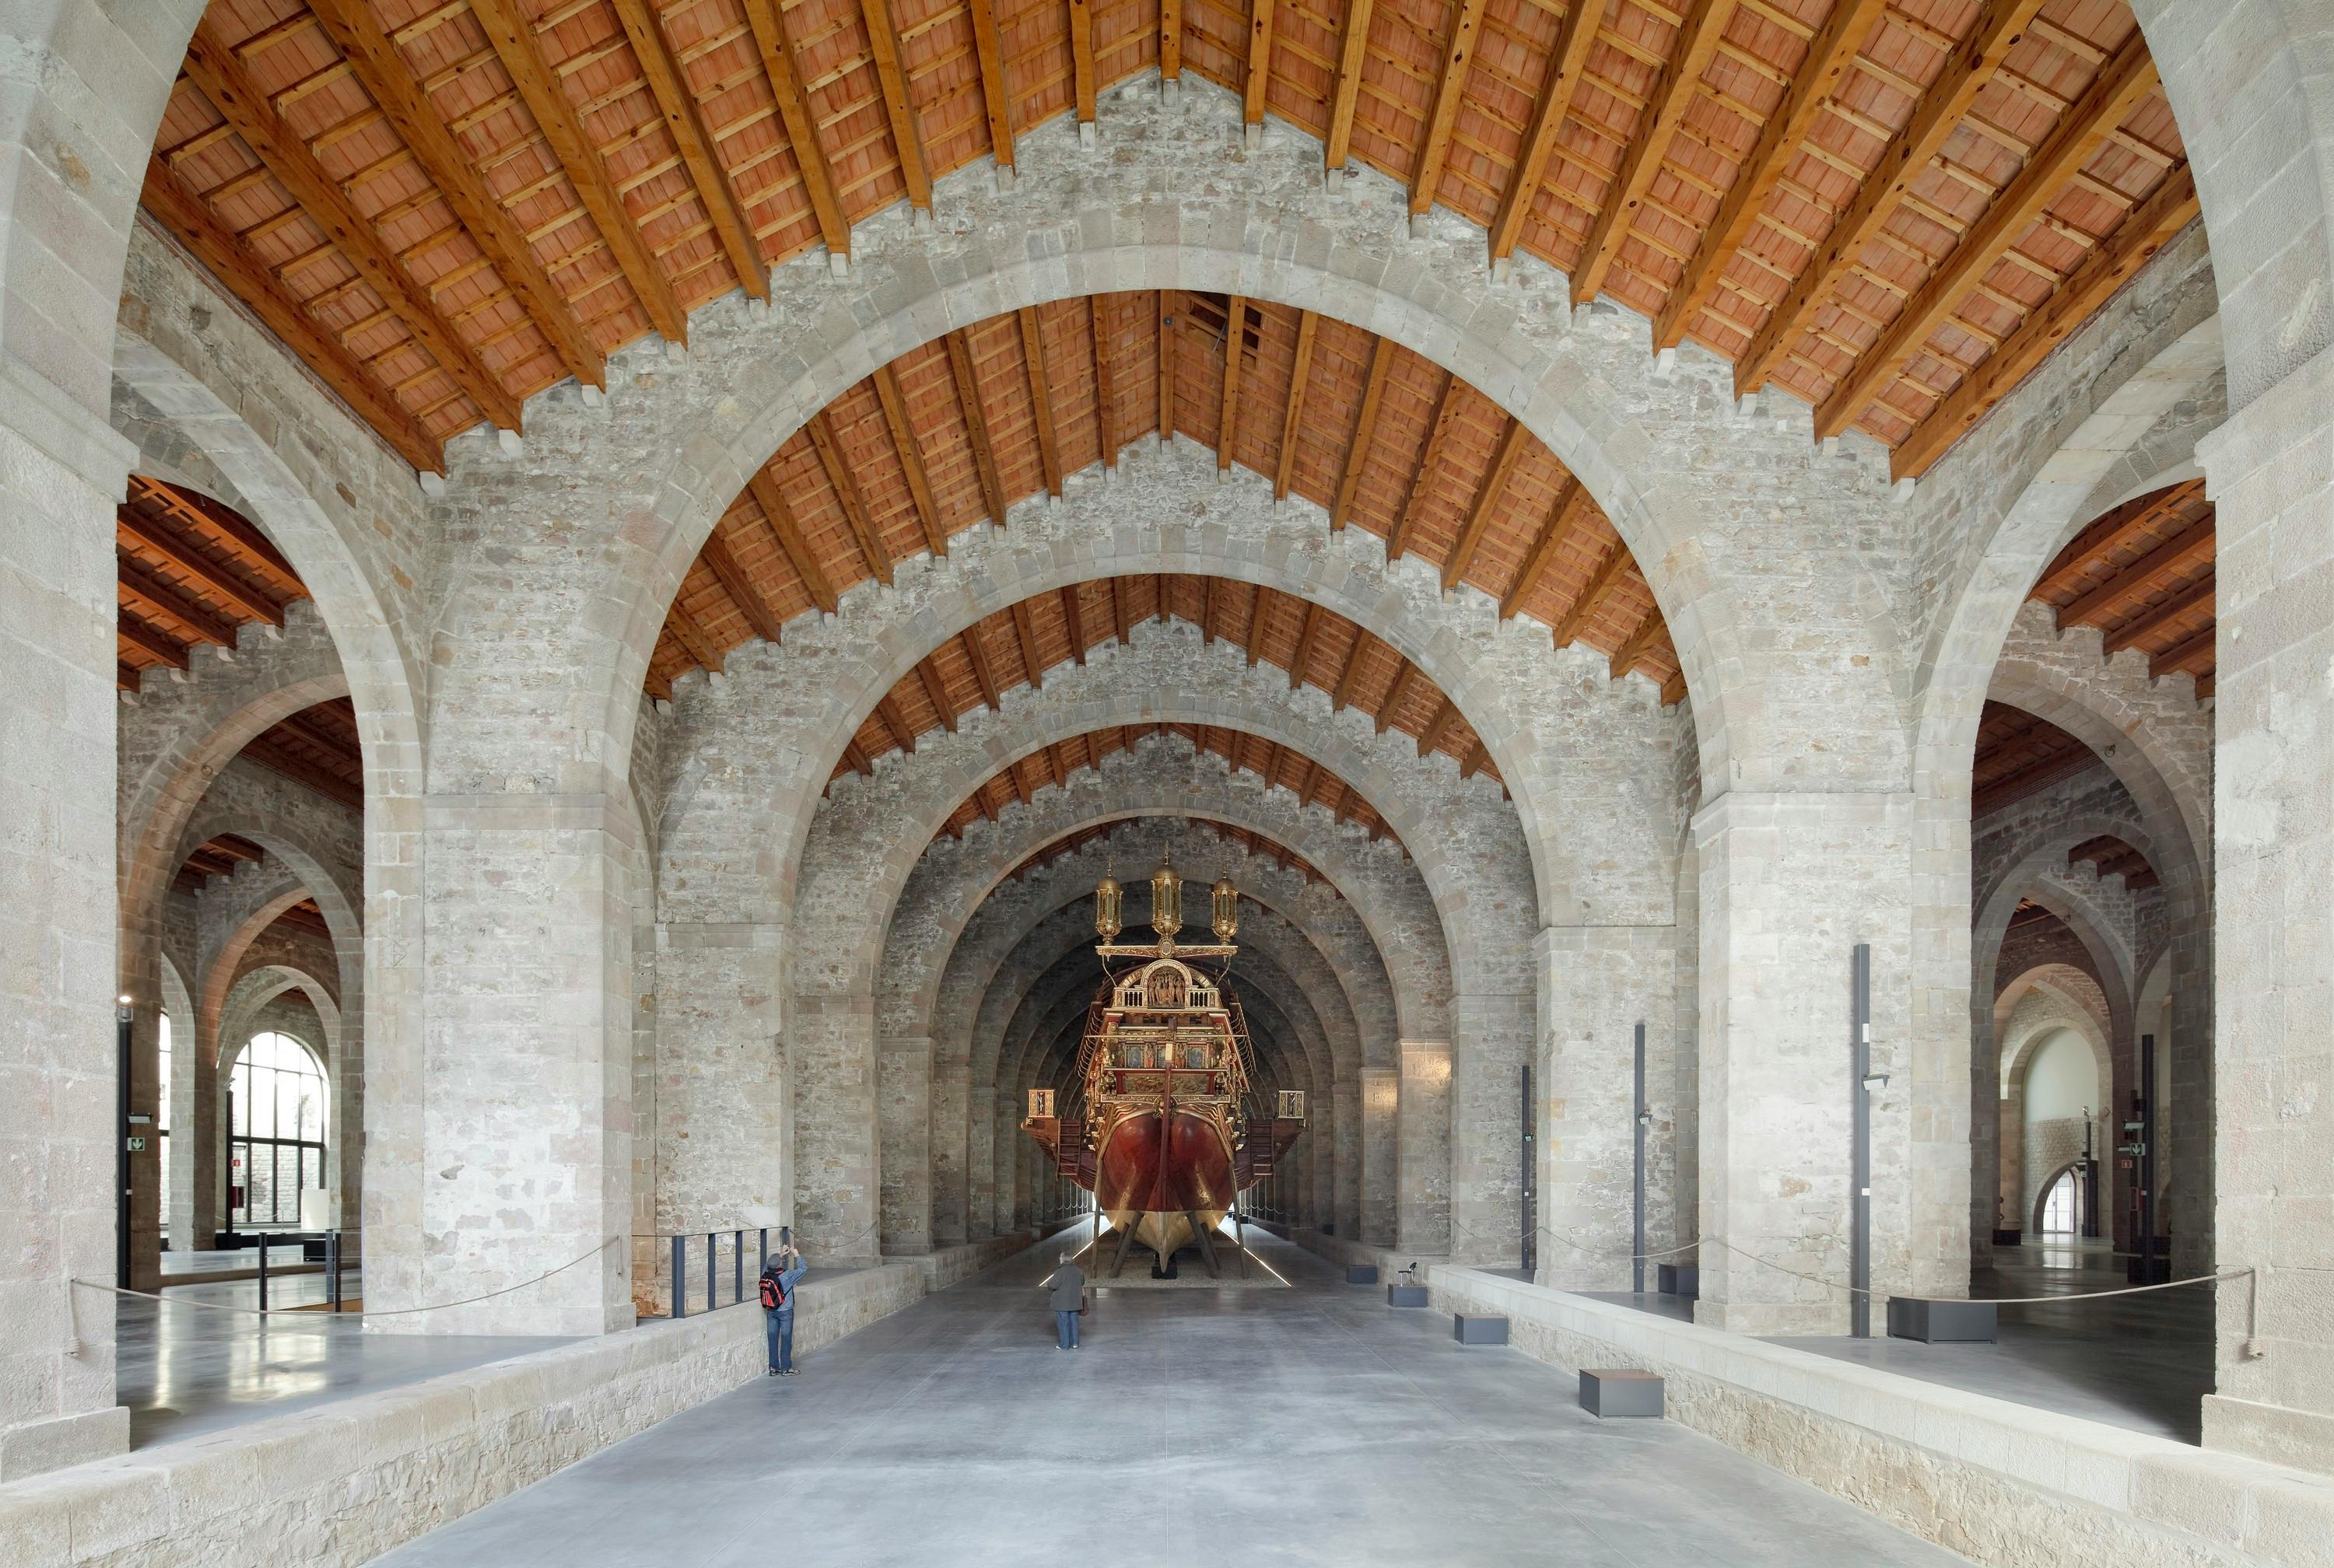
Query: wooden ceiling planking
point(217, 857)
point(2112, 856)
point(189, 570)
point(2018, 753)
point(1891, 210)
point(1514, 525)
point(1252, 843)
point(318, 746)
point(2143, 574)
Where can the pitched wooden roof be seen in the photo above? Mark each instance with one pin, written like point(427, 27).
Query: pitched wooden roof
point(190, 571)
point(1891, 209)
point(2143, 574)
point(953, 433)
point(1277, 765)
point(1255, 843)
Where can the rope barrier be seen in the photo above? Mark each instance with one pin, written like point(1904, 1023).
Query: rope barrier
point(311, 1313)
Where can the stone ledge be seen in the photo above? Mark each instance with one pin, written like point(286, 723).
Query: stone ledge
point(2000, 1483)
point(944, 1266)
point(349, 1481)
point(1338, 1250)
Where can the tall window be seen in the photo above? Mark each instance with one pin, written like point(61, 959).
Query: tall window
point(275, 1132)
point(162, 1126)
point(2063, 1210)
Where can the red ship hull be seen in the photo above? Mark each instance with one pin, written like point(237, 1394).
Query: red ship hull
point(1183, 1166)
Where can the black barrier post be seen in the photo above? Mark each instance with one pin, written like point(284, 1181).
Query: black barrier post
point(333, 1269)
point(1637, 1198)
point(1859, 1271)
point(680, 1277)
point(262, 1274)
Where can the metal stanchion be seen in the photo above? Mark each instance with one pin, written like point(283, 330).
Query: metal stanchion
point(262, 1274)
point(680, 1277)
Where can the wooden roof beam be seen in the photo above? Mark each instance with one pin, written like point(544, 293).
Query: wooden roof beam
point(1404, 672)
point(995, 102)
point(1487, 497)
point(2126, 79)
point(1352, 52)
point(301, 771)
point(1591, 595)
point(2138, 516)
point(768, 21)
point(975, 425)
point(172, 601)
point(2145, 231)
point(1314, 615)
point(1648, 630)
point(381, 68)
point(1430, 465)
point(1344, 695)
point(799, 554)
point(1572, 504)
point(1438, 727)
point(1235, 333)
point(1999, 24)
point(204, 513)
point(675, 99)
point(1457, 56)
point(1074, 620)
point(903, 736)
point(976, 652)
point(1260, 68)
point(1831, 54)
point(2185, 654)
point(149, 640)
point(1479, 757)
point(1025, 638)
point(1041, 397)
point(1121, 622)
point(694, 637)
point(899, 109)
point(739, 588)
point(513, 39)
point(207, 576)
point(1668, 96)
point(1171, 41)
point(2149, 572)
point(1307, 325)
point(212, 66)
point(1365, 429)
point(847, 491)
point(1168, 341)
point(1256, 613)
point(1082, 68)
point(936, 692)
point(1106, 379)
point(2195, 597)
point(909, 448)
point(1569, 67)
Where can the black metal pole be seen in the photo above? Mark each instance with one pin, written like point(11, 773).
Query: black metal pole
point(1859, 1272)
point(122, 1014)
point(680, 1276)
point(262, 1271)
point(2145, 1125)
point(332, 1268)
point(1637, 1201)
point(1526, 1188)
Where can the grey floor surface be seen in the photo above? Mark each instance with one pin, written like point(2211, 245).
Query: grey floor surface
point(1307, 1426)
point(185, 1369)
point(2141, 1362)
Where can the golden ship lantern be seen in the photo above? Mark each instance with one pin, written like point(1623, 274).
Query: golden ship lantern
point(1166, 900)
point(1227, 909)
point(1107, 921)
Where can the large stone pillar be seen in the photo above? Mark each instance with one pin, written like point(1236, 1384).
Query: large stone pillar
point(61, 471)
point(722, 1133)
point(1381, 1156)
point(1791, 884)
point(524, 1088)
point(1346, 1097)
point(949, 1133)
point(1598, 984)
point(1496, 1034)
point(831, 1044)
point(2270, 471)
point(904, 1095)
point(981, 1160)
point(1424, 1204)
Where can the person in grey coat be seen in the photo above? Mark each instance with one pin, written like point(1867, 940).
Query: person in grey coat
point(1066, 1289)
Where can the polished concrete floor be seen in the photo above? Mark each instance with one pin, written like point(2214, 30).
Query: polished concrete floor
point(1313, 1425)
point(2142, 1362)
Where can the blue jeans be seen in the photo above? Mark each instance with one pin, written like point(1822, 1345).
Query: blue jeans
point(778, 1329)
point(1065, 1330)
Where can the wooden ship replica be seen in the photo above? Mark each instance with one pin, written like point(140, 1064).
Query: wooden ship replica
point(1163, 1122)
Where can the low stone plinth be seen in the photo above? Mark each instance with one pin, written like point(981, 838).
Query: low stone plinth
point(1405, 1296)
point(1609, 1391)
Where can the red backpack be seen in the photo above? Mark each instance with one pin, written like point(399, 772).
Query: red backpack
point(774, 1290)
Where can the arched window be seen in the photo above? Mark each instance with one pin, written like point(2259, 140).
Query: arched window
point(2063, 1205)
point(275, 1132)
